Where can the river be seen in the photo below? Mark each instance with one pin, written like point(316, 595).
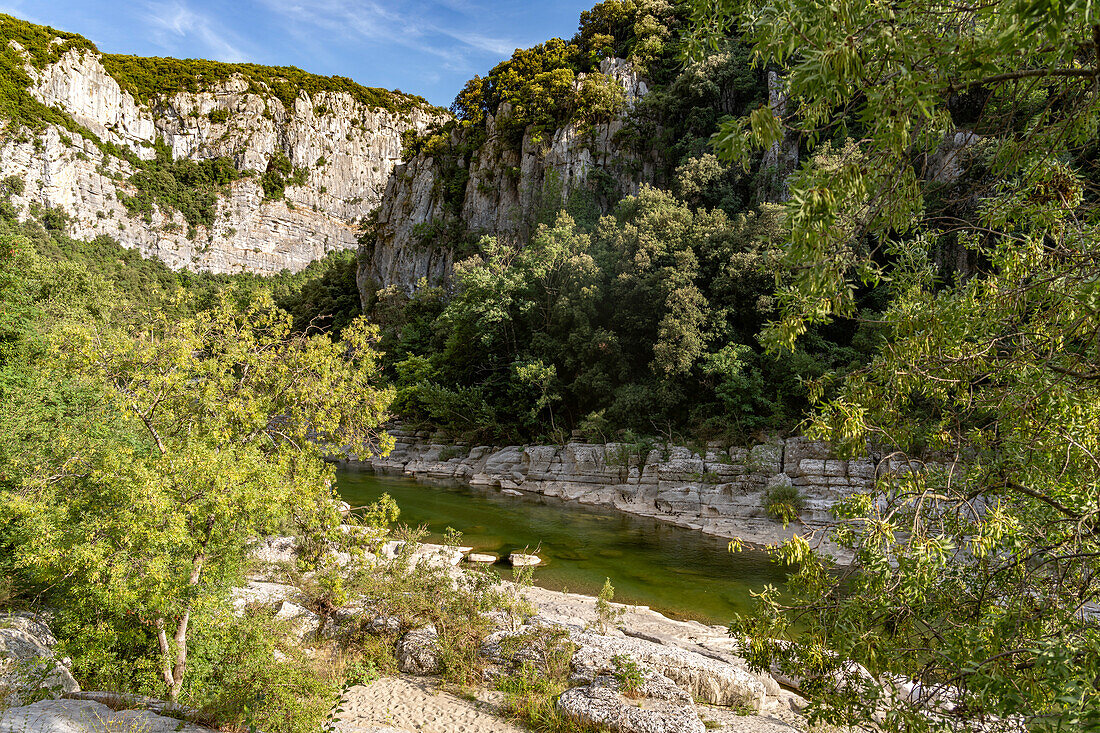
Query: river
point(676, 571)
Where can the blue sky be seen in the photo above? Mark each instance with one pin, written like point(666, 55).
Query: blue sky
point(427, 47)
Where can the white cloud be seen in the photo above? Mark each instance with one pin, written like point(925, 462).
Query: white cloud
point(170, 22)
point(18, 11)
point(445, 29)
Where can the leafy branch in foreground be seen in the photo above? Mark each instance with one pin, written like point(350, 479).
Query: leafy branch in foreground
point(953, 159)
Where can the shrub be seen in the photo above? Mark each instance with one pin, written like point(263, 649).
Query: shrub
point(607, 616)
point(783, 502)
point(628, 674)
point(219, 116)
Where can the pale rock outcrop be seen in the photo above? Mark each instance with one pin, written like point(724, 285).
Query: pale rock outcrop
point(86, 716)
point(659, 706)
point(426, 553)
point(507, 187)
point(702, 678)
point(257, 592)
point(418, 652)
point(28, 667)
point(302, 621)
point(347, 149)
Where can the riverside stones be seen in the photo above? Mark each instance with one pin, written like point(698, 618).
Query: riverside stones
point(702, 678)
point(520, 559)
point(716, 490)
point(657, 706)
point(481, 558)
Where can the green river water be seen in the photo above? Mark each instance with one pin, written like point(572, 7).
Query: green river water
point(679, 572)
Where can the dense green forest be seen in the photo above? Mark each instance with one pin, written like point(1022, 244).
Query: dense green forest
point(644, 319)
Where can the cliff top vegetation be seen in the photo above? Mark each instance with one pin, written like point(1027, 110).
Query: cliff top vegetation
point(151, 79)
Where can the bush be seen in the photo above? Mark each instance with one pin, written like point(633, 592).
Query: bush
point(783, 502)
point(252, 673)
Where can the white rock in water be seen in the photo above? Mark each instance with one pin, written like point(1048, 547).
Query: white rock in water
point(511, 492)
point(481, 557)
point(521, 560)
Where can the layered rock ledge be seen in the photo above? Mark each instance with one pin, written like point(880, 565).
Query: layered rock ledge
point(715, 489)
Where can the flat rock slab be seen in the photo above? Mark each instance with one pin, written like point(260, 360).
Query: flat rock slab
point(86, 716)
point(406, 704)
point(519, 559)
point(481, 557)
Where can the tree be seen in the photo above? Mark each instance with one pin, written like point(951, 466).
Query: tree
point(195, 436)
point(965, 134)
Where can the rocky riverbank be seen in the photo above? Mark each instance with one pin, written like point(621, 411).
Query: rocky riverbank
point(716, 489)
point(630, 668)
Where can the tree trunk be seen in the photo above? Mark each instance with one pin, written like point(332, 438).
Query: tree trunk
point(172, 672)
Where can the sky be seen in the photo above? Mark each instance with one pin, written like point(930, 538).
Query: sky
point(426, 47)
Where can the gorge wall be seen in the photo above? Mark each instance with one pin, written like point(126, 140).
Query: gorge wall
point(341, 150)
point(502, 188)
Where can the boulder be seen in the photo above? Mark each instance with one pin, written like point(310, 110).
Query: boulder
point(281, 549)
point(268, 594)
point(418, 652)
point(481, 557)
point(86, 716)
point(520, 559)
point(28, 667)
point(658, 706)
point(429, 554)
point(303, 622)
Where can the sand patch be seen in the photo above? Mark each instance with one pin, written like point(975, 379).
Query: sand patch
point(414, 704)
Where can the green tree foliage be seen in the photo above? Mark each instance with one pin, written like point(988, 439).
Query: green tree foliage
point(539, 83)
point(633, 320)
point(975, 574)
point(187, 186)
point(141, 451)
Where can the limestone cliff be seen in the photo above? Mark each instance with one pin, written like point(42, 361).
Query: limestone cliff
point(342, 152)
point(506, 186)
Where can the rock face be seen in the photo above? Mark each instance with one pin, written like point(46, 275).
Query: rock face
point(660, 707)
point(86, 716)
point(28, 668)
point(702, 678)
point(507, 187)
point(717, 489)
point(346, 149)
